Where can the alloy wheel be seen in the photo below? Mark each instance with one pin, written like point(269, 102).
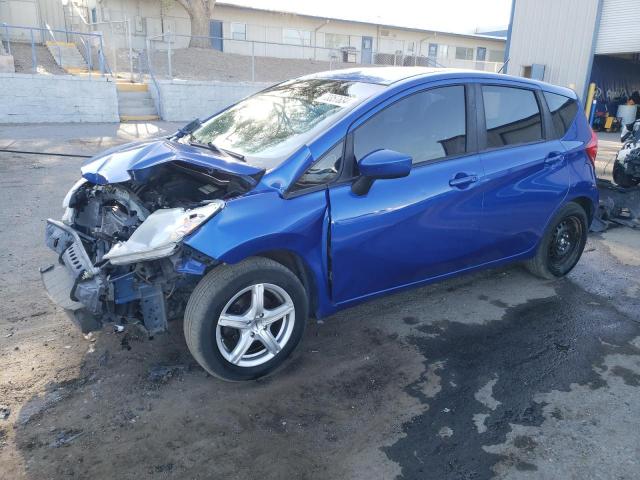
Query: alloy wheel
point(255, 325)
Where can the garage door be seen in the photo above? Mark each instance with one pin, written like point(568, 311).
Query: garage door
point(619, 31)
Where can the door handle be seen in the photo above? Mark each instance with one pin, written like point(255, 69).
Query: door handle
point(462, 180)
point(554, 157)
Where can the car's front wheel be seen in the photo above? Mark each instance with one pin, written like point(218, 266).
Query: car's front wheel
point(242, 321)
point(562, 244)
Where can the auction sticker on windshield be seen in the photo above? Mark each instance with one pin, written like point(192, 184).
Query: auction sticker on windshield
point(335, 99)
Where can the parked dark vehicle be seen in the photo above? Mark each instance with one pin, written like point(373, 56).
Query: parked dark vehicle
point(317, 194)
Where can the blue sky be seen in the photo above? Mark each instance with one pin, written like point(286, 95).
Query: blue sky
point(462, 16)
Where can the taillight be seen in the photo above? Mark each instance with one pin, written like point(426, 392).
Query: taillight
point(592, 148)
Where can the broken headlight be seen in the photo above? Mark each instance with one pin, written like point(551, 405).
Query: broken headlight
point(68, 211)
point(159, 235)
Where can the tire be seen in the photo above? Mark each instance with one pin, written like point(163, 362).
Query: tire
point(554, 258)
point(621, 178)
point(218, 342)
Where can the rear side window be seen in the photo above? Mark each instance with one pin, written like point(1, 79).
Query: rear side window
point(427, 125)
point(563, 111)
point(512, 116)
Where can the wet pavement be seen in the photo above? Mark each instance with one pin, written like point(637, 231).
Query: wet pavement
point(492, 375)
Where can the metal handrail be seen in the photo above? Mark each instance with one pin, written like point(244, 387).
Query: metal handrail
point(50, 31)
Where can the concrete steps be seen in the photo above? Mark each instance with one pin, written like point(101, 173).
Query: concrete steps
point(135, 102)
point(67, 56)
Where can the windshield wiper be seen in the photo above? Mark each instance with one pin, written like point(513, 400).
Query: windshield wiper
point(237, 155)
point(214, 148)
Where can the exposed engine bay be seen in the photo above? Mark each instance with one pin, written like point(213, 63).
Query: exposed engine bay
point(101, 219)
point(108, 214)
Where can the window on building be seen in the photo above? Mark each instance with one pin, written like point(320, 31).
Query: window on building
point(296, 37)
point(325, 170)
point(334, 40)
point(238, 31)
point(464, 53)
point(512, 116)
point(427, 125)
point(433, 50)
point(563, 112)
point(481, 54)
point(443, 51)
point(496, 55)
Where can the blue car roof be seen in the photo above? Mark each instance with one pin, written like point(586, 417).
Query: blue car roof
point(390, 75)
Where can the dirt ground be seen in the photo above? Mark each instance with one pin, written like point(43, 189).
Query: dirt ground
point(492, 375)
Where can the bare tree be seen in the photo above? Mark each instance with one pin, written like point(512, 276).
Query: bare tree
point(200, 14)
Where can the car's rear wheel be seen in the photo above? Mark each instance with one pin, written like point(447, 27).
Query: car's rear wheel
point(242, 321)
point(562, 244)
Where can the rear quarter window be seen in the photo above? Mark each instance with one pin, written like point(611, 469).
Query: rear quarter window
point(512, 116)
point(563, 112)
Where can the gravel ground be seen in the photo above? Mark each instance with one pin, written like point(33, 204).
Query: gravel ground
point(492, 375)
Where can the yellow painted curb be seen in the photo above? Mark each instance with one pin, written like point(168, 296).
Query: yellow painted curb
point(59, 44)
point(138, 118)
point(132, 87)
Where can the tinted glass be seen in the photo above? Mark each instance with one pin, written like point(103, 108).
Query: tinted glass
point(427, 125)
point(323, 171)
point(512, 116)
point(269, 126)
point(563, 111)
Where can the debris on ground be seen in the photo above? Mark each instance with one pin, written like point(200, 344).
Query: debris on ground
point(65, 437)
point(609, 214)
point(164, 373)
point(5, 411)
point(103, 360)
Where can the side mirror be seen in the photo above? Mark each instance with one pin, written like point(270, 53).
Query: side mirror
point(380, 164)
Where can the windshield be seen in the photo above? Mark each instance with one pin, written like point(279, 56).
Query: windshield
point(268, 127)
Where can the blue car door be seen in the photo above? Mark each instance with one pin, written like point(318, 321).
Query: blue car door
point(526, 175)
point(406, 230)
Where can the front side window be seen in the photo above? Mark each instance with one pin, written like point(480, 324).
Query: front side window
point(563, 112)
point(324, 171)
point(296, 37)
point(427, 126)
point(512, 116)
point(269, 126)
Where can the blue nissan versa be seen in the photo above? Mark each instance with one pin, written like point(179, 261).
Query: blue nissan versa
point(316, 194)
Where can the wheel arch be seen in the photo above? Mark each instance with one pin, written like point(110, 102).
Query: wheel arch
point(300, 269)
point(587, 205)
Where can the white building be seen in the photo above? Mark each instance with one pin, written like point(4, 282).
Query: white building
point(260, 32)
point(575, 42)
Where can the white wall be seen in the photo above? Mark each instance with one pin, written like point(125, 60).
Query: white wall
point(556, 34)
point(618, 31)
point(183, 100)
point(26, 98)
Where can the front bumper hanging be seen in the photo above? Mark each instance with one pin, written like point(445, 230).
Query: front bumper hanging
point(75, 284)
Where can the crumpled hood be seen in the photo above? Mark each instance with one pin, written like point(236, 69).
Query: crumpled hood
point(130, 161)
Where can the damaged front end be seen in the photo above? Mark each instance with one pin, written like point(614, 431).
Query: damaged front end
point(121, 256)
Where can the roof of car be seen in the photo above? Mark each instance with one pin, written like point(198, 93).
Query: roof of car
point(390, 75)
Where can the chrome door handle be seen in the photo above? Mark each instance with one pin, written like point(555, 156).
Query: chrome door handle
point(463, 181)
